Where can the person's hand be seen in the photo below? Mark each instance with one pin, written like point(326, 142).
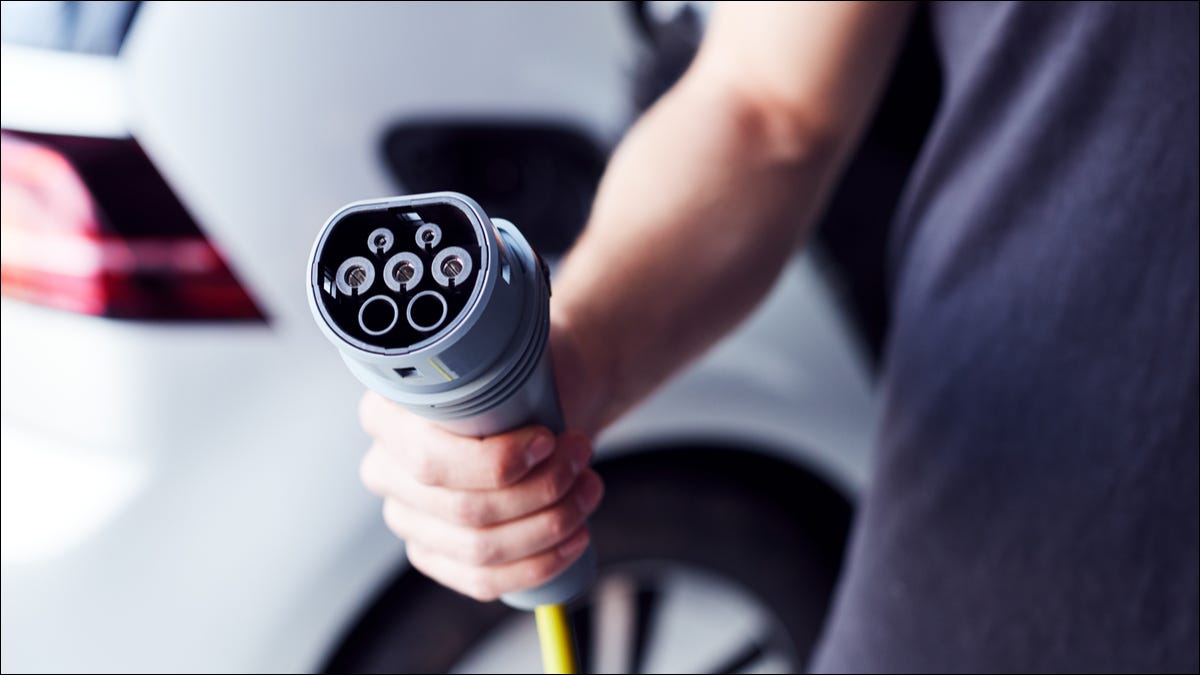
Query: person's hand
point(487, 516)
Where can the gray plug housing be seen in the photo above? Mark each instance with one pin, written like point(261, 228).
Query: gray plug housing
point(469, 351)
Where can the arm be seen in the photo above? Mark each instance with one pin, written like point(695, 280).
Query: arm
point(703, 202)
point(713, 190)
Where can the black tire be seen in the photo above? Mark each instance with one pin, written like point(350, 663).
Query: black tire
point(770, 528)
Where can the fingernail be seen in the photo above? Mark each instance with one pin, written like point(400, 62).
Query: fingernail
point(539, 448)
point(573, 547)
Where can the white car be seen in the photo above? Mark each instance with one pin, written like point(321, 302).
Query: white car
point(180, 445)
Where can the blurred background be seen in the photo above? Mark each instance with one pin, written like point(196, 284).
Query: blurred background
point(179, 442)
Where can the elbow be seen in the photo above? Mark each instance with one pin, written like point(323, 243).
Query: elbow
point(784, 134)
point(782, 131)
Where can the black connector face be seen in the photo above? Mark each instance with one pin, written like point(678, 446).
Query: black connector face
point(394, 277)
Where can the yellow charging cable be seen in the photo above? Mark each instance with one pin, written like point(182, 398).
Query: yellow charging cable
point(554, 632)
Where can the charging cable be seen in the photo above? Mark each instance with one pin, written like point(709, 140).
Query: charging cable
point(554, 634)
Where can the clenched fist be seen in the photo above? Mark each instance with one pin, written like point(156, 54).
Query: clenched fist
point(486, 516)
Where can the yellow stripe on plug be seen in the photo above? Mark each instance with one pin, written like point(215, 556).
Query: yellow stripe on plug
point(440, 369)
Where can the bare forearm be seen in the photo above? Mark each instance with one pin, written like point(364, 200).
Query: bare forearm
point(699, 210)
point(714, 189)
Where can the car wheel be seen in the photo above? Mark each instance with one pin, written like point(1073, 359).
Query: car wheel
point(709, 561)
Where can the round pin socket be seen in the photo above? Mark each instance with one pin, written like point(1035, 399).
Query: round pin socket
point(451, 266)
point(355, 275)
point(380, 240)
point(428, 236)
point(403, 271)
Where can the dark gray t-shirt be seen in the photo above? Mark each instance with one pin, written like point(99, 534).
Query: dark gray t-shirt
point(1036, 499)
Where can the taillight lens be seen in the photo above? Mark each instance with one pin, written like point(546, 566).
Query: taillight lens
point(88, 225)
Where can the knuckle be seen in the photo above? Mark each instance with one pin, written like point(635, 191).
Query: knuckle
point(481, 550)
point(428, 566)
point(468, 509)
point(366, 475)
point(367, 472)
point(425, 469)
point(418, 564)
point(494, 474)
point(416, 558)
point(555, 485)
point(480, 586)
point(393, 517)
point(505, 461)
point(540, 570)
point(499, 473)
point(559, 523)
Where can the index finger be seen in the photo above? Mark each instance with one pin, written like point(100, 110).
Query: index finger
point(434, 456)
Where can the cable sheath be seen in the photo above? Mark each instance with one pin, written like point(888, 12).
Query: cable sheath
point(554, 633)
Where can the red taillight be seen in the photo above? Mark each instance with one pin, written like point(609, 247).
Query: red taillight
point(87, 225)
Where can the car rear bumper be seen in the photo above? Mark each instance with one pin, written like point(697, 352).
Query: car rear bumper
point(177, 497)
